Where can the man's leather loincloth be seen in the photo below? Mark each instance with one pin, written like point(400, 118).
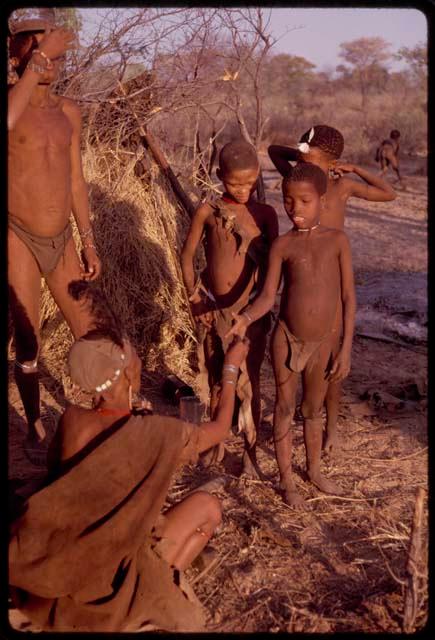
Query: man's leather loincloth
point(46, 251)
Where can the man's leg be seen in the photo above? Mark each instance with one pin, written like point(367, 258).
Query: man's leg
point(24, 297)
point(285, 401)
point(77, 313)
point(188, 527)
point(315, 384)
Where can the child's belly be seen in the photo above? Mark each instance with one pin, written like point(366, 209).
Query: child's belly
point(230, 277)
point(309, 314)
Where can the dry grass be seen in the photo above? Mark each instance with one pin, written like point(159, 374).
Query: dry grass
point(139, 230)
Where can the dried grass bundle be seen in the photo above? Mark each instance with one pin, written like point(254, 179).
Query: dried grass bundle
point(141, 275)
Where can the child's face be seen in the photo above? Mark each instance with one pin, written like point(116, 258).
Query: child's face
point(239, 183)
point(302, 203)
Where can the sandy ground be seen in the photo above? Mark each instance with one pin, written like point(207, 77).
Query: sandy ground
point(337, 564)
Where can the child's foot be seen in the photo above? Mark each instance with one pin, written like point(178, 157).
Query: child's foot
point(325, 485)
point(331, 444)
point(292, 497)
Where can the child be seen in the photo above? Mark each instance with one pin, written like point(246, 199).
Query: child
point(388, 153)
point(317, 267)
point(238, 234)
point(323, 145)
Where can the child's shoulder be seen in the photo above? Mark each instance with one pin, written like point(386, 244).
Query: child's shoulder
point(333, 233)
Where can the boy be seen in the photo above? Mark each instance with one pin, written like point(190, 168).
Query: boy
point(323, 145)
point(388, 153)
point(238, 235)
point(317, 268)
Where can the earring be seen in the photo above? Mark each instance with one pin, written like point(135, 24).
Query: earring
point(130, 397)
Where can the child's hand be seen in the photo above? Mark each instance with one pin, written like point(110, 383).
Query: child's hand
point(340, 367)
point(339, 167)
point(239, 327)
point(237, 352)
point(201, 312)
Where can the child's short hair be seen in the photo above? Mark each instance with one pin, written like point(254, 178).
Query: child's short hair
point(394, 134)
point(308, 172)
point(325, 138)
point(238, 154)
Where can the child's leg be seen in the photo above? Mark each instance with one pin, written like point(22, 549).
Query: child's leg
point(285, 402)
point(214, 358)
point(315, 385)
point(258, 336)
point(333, 397)
point(332, 403)
point(188, 527)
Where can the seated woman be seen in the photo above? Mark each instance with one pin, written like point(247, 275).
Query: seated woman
point(93, 550)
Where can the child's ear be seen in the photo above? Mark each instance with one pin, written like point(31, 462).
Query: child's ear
point(323, 201)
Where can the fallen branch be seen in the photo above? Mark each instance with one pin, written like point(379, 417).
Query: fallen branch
point(382, 338)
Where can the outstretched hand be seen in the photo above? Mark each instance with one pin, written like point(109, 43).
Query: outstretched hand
point(239, 327)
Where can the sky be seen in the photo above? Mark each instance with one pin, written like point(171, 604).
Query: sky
point(316, 34)
point(322, 30)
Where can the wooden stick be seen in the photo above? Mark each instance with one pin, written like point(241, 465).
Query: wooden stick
point(382, 338)
point(410, 608)
point(149, 142)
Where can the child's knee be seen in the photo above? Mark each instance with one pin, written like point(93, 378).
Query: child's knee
point(284, 408)
point(311, 408)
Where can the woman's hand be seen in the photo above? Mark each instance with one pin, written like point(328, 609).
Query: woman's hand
point(239, 327)
point(237, 352)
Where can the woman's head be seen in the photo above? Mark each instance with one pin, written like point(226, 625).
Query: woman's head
point(100, 367)
point(95, 359)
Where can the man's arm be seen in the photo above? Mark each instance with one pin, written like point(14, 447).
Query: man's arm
point(282, 156)
point(376, 189)
point(341, 366)
point(79, 192)
point(266, 299)
point(54, 44)
point(191, 245)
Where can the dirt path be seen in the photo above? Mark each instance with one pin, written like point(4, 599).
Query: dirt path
point(333, 566)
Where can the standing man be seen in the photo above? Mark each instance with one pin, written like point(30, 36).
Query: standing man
point(45, 183)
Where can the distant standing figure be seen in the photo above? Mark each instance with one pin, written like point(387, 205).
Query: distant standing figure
point(45, 183)
point(388, 154)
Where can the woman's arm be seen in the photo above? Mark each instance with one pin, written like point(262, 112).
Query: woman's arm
point(212, 433)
